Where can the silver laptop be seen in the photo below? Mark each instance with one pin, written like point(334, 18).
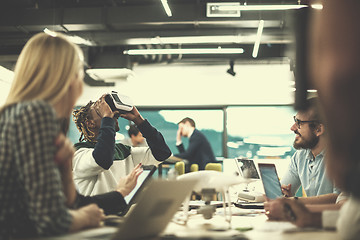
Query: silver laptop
point(157, 204)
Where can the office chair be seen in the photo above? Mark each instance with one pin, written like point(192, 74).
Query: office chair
point(194, 167)
point(180, 168)
point(214, 166)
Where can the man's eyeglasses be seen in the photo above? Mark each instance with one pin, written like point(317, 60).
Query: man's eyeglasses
point(299, 122)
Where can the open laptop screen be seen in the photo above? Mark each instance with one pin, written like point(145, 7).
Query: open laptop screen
point(247, 168)
point(270, 180)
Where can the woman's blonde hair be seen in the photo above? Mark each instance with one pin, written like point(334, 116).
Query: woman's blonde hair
point(45, 69)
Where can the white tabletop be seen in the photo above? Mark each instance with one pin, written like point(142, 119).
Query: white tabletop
point(218, 228)
point(197, 226)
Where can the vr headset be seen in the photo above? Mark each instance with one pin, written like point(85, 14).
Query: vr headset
point(118, 102)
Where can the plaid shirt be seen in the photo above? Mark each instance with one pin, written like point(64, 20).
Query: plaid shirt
point(31, 199)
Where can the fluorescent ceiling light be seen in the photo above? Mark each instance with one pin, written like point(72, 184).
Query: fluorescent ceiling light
point(192, 39)
point(259, 7)
point(317, 6)
point(49, 32)
point(184, 51)
point(212, 10)
point(258, 38)
point(80, 41)
point(74, 39)
point(312, 91)
point(166, 7)
point(110, 73)
point(309, 90)
point(207, 39)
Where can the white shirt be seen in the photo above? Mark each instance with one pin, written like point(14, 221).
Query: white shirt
point(91, 179)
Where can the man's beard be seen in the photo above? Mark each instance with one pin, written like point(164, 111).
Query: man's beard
point(307, 143)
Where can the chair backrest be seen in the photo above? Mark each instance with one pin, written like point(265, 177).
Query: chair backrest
point(214, 166)
point(180, 168)
point(194, 167)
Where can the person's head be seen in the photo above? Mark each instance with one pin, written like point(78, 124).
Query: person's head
point(135, 135)
point(334, 69)
point(88, 122)
point(50, 69)
point(308, 126)
point(187, 126)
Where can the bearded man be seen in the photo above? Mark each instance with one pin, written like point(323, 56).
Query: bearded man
point(307, 166)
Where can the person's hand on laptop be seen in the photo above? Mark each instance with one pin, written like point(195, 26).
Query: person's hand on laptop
point(88, 216)
point(127, 184)
point(286, 190)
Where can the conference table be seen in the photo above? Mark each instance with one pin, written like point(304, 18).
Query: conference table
point(245, 224)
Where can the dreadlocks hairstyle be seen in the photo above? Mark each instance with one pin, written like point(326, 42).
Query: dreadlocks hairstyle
point(80, 116)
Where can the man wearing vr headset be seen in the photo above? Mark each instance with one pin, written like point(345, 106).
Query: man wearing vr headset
point(98, 162)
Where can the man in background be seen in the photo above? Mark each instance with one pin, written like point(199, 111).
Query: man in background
point(136, 139)
point(199, 150)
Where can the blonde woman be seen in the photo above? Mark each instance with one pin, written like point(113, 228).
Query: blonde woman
point(47, 82)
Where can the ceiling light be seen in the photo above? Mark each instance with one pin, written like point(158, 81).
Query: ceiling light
point(259, 7)
point(49, 32)
point(258, 38)
point(184, 51)
point(109, 73)
point(166, 7)
point(74, 39)
point(190, 40)
point(80, 41)
point(212, 10)
point(317, 6)
point(248, 39)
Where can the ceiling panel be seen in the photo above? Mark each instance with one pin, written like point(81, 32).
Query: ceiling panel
point(116, 25)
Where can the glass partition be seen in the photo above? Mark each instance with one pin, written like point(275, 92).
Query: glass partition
point(260, 132)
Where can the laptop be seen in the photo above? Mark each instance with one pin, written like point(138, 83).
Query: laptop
point(155, 207)
point(142, 181)
point(270, 180)
point(247, 169)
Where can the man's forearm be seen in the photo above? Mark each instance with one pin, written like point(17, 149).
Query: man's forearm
point(323, 207)
point(111, 202)
point(321, 199)
point(155, 140)
point(105, 146)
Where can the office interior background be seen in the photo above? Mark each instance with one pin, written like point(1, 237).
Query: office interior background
point(240, 92)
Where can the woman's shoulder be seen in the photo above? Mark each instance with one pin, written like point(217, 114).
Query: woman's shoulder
point(34, 106)
point(36, 110)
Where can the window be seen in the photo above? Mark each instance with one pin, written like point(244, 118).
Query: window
point(260, 132)
point(209, 122)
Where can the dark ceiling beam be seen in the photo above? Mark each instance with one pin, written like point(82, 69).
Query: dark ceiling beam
point(129, 17)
